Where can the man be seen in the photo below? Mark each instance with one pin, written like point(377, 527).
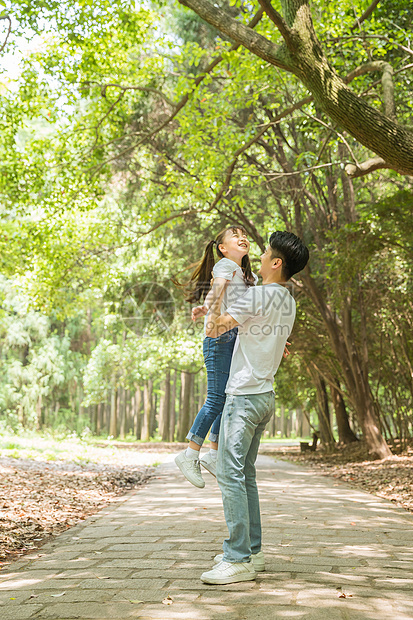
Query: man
point(265, 316)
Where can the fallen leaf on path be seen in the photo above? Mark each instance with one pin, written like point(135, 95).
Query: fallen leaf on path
point(98, 577)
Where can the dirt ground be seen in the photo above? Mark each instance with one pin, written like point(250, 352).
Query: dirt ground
point(39, 499)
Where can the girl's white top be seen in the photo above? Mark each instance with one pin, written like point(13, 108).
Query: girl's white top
point(228, 269)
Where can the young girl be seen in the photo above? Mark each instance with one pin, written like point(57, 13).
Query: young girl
point(232, 247)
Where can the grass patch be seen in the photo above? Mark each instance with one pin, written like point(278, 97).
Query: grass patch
point(82, 451)
point(37, 446)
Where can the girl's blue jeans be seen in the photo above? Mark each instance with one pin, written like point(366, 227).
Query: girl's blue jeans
point(217, 356)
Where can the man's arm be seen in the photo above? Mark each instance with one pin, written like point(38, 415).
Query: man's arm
point(218, 323)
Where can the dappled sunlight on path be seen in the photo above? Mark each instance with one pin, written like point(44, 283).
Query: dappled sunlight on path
point(332, 552)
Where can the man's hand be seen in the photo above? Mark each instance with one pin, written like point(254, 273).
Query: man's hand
point(286, 351)
point(198, 311)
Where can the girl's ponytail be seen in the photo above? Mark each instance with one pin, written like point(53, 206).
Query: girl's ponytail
point(202, 275)
point(247, 271)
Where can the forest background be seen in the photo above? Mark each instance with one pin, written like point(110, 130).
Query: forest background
point(132, 132)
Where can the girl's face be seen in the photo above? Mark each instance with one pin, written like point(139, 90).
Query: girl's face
point(235, 244)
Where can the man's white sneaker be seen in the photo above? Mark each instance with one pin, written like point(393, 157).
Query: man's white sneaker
point(190, 469)
point(226, 572)
point(209, 463)
point(257, 559)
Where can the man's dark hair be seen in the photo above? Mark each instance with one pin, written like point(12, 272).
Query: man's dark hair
point(292, 251)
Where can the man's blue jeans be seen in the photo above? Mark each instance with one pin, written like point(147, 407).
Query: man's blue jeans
point(217, 356)
point(243, 421)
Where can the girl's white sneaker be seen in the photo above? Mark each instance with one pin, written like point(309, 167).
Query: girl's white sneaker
point(190, 469)
point(257, 559)
point(209, 464)
point(226, 572)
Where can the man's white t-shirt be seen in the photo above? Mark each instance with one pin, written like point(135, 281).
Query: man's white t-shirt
point(225, 268)
point(266, 317)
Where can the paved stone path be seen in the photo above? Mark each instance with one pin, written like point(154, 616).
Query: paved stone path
point(323, 540)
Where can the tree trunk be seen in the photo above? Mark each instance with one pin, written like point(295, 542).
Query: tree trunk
point(306, 428)
point(154, 409)
point(326, 433)
point(345, 434)
point(172, 411)
point(165, 407)
point(272, 425)
point(192, 411)
point(39, 413)
point(99, 419)
point(301, 420)
point(72, 396)
point(284, 421)
point(80, 401)
point(128, 413)
point(289, 422)
point(184, 414)
point(108, 409)
point(137, 402)
point(20, 415)
point(132, 413)
point(94, 417)
point(113, 424)
point(122, 413)
point(147, 410)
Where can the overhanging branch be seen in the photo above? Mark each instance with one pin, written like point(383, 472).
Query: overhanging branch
point(368, 67)
point(8, 31)
point(240, 33)
point(145, 89)
point(277, 19)
point(365, 15)
point(360, 170)
point(388, 90)
point(386, 80)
